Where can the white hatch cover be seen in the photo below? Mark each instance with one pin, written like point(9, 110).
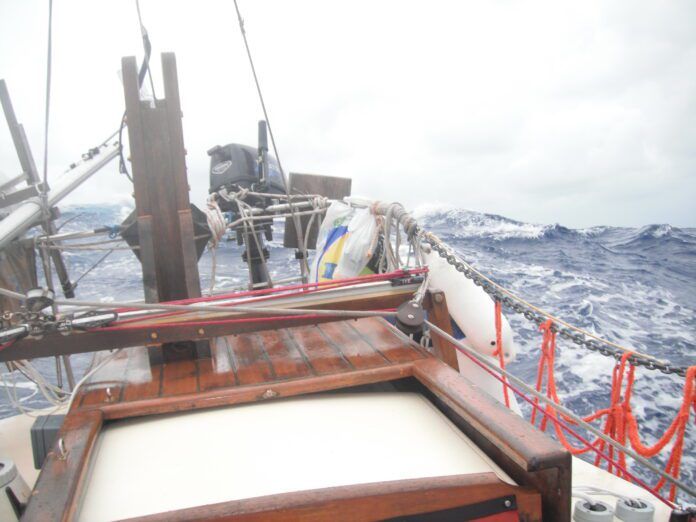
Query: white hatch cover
point(155, 464)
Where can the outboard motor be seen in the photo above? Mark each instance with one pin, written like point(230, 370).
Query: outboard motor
point(234, 167)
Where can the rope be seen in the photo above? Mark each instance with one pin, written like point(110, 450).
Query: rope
point(620, 423)
point(147, 46)
point(245, 211)
point(144, 69)
point(562, 425)
point(194, 305)
point(499, 347)
point(561, 409)
point(95, 265)
point(55, 396)
point(218, 228)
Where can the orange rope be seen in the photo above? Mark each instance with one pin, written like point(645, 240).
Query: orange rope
point(499, 346)
point(620, 423)
point(546, 368)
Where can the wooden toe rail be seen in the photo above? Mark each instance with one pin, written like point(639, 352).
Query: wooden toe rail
point(529, 456)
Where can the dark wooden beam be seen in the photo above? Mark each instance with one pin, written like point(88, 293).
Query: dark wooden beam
point(528, 455)
point(252, 393)
point(165, 224)
point(438, 314)
point(329, 186)
point(57, 491)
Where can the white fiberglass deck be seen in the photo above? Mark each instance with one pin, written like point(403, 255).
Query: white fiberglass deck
point(157, 464)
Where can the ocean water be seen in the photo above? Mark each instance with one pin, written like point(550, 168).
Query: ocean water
point(634, 286)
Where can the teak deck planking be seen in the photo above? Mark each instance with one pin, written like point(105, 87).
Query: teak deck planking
point(256, 358)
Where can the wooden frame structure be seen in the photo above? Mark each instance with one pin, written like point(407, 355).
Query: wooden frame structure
point(288, 362)
point(165, 223)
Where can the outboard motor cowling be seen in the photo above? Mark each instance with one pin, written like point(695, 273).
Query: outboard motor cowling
point(239, 165)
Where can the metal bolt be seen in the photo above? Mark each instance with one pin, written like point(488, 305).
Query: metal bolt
point(269, 394)
point(508, 504)
point(154, 335)
point(411, 316)
point(62, 452)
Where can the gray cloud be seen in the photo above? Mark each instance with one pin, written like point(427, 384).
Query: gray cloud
point(579, 113)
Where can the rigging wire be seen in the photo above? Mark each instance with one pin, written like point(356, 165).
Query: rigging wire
point(49, 53)
point(95, 265)
point(144, 70)
point(148, 48)
point(296, 220)
point(482, 361)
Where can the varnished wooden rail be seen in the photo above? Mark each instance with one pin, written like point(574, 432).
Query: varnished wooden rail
point(364, 502)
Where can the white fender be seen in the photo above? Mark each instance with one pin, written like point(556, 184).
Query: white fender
point(474, 312)
point(471, 308)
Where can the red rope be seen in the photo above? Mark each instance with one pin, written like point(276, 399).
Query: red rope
point(560, 424)
point(499, 346)
point(309, 287)
point(225, 321)
point(620, 423)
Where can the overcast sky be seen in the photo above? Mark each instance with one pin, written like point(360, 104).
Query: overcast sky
point(581, 113)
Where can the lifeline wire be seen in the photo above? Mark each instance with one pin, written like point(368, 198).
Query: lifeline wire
point(565, 411)
point(206, 308)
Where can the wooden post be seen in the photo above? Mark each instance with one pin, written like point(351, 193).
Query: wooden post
point(165, 224)
point(438, 314)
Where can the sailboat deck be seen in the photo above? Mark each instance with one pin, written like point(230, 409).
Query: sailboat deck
point(254, 359)
point(298, 361)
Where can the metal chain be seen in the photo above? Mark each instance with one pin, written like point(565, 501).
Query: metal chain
point(537, 317)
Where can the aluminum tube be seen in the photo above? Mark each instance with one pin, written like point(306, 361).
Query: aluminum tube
point(27, 213)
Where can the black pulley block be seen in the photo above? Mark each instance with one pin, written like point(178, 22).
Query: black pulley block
point(410, 317)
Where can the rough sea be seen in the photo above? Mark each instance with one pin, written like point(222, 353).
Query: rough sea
point(634, 286)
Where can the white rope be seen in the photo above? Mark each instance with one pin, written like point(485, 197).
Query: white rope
point(218, 228)
point(55, 396)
